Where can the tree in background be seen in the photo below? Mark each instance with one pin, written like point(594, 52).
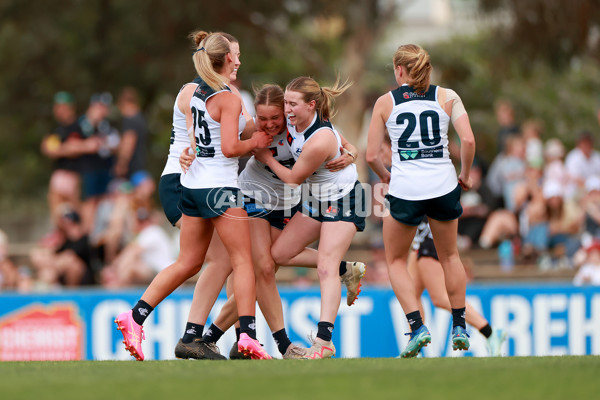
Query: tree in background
point(539, 58)
point(97, 45)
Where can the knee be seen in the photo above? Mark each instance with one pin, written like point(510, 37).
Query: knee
point(265, 269)
point(187, 268)
point(449, 258)
point(325, 270)
point(279, 257)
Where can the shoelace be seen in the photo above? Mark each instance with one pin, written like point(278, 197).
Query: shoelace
point(297, 350)
point(134, 335)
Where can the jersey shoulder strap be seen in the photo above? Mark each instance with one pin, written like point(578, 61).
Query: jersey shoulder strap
point(203, 91)
point(318, 124)
point(405, 93)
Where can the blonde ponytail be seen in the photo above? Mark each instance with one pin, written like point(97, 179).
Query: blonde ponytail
point(324, 97)
point(210, 55)
point(418, 65)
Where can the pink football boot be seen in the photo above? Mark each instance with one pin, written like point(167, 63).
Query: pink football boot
point(250, 347)
point(132, 333)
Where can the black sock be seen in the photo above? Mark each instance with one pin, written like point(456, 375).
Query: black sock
point(192, 331)
point(282, 340)
point(343, 268)
point(414, 320)
point(141, 311)
point(325, 329)
point(458, 317)
point(237, 334)
point(248, 325)
point(213, 334)
point(486, 331)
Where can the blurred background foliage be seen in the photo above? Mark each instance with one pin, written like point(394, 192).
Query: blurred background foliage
point(544, 59)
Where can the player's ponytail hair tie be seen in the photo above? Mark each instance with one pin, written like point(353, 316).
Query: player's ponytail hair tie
point(200, 49)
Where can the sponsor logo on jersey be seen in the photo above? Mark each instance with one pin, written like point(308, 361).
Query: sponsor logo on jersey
point(280, 142)
point(409, 154)
point(412, 95)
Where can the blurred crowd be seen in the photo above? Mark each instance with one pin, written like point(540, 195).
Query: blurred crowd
point(105, 227)
point(536, 202)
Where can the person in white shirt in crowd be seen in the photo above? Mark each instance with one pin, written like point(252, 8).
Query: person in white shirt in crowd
point(148, 254)
point(581, 162)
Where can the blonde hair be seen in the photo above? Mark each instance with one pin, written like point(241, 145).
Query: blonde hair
point(210, 55)
point(417, 63)
point(324, 97)
point(269, 95)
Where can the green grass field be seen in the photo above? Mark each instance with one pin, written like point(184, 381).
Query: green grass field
point(368, 378)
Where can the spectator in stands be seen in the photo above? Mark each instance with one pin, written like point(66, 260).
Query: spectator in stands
point(64, 146)
point(505, 116)
point(131, 155)
point(581, 162)
point(532, 130)
point(113, 223)
point(507, 171)
point(68, 261)
point(589, 272)
point(9, 273)
point(144, 188)
point(96, 167)
point(554, 167)
point(591, 208)
point(510, 176)
point(476, 209)
point(143, 258)
point(565, 219)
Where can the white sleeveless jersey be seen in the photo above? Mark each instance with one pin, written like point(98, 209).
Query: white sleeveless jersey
point(324, 185)
point(418, 129)
point(179, 137)
point(210, 168)
point(259, 182)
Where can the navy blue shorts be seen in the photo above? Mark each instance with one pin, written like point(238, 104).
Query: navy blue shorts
point(169, 192)
point(344, 209)
point(211, 202)
point(411, 212)
point(276, 218)
point(427, 249)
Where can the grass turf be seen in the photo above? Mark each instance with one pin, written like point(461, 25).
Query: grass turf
point(567, 377)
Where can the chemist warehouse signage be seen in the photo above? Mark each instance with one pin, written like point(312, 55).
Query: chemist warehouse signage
point(538, 319)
